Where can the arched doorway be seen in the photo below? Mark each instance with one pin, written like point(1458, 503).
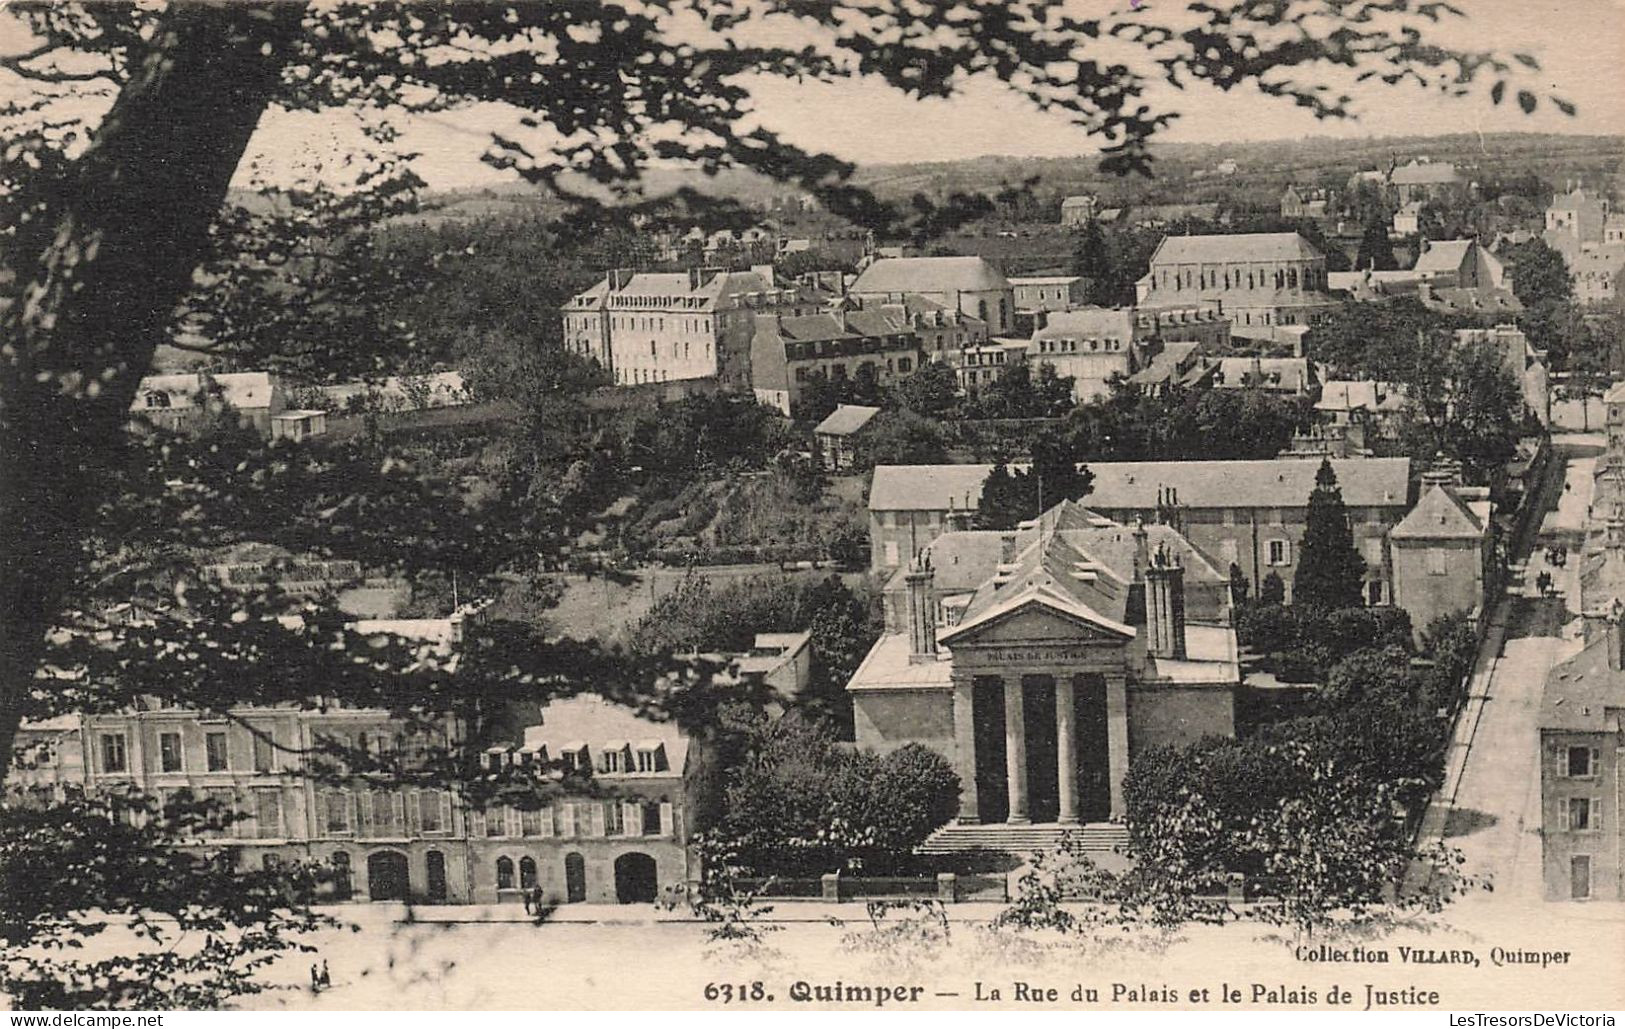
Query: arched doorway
point(386, 875)
point(575, 878)
point(635, 879)
point(435, 863)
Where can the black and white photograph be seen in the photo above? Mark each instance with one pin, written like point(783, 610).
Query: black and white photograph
point(1098, 506)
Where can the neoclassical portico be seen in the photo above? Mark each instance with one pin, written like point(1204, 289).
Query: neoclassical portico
point(1070, 692)
point(1059, 645)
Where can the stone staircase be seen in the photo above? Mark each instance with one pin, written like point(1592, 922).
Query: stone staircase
point(1096, 837)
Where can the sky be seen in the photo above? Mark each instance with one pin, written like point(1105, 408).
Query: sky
point(1580, 44)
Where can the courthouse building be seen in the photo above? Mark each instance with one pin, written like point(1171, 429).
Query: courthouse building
point(1040, 662)
point(1250, 514)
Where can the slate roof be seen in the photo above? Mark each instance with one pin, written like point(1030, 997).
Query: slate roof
point(1074, 563)
point(1439, 515)
point(1443, 256)
point(1134, 485)
point(1420, 173)
point(845, 420)
point(240, 390)
point(1291, 373)
point(590, 719)
point(929, 275)
point(1241, 246)
point(1089, 323)
point(1353, 395)
point(1581, 691)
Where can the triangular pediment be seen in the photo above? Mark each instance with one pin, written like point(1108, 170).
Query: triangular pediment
point(1037, 617)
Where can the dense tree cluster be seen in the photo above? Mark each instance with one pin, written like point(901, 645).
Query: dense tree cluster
point(701, 616)
point(799, 804)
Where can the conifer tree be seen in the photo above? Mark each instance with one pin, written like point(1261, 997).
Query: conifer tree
point(1329, 568)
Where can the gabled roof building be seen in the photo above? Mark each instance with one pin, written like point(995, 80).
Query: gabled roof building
point(1041, 661)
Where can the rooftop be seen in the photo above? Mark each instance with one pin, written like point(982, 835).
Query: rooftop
point(929, 275)
point(1440, 515)
point(1137, 485)
point(590, 719)
point(1581, 692)
point(845, 420)
point(1089, 323)
point(1243, 246)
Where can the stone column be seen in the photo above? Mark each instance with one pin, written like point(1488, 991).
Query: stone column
point(1066, 747)
point(965, 749)
point(1116, 739)
point(1015, 751)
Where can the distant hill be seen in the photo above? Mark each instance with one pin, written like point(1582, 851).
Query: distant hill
point(1261, 167)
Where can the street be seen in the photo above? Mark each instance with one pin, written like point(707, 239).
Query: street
point(1491, 797)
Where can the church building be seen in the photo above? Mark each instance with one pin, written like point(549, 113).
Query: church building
point(1041, 661)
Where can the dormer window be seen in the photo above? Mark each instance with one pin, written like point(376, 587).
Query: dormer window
point(651, 756)
point(576, 758)
point(617, 757)
point(157, 398)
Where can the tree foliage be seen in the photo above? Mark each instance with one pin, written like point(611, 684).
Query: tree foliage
point(1330, 570)
point(799, 804)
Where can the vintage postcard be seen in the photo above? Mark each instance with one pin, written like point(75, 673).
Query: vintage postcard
point(758, 505)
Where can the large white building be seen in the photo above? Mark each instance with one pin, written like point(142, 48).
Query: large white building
point(969, 285)
point(1260, 278)
point(655, 327)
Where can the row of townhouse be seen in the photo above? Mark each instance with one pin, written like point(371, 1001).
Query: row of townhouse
point(622, 838)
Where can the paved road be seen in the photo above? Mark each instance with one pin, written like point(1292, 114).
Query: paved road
point(1495, 775)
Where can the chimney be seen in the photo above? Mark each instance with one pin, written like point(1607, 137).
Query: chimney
point(1142, 550)
point(1616, 636)
point(922, 613)
point(694, 278)
point(1165, 606)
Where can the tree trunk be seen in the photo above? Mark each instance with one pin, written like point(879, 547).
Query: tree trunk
point(98, 278)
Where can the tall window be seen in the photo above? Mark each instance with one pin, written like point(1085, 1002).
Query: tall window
point(431, 816)
point(504, 873)
point(338, 811)
point(268, 813)
point(1582, 762)
point(651, 818)
point(496, 821)
point(264, 750)
point(1581, 814)
point(169, 751)
point(527, 873)
point(114, 756)
point(614, 818)
point(214, 747)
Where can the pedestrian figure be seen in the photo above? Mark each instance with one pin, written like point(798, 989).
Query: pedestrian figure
point(315, 979)
point(535, 899)
point(327, 980)
point(529, 910)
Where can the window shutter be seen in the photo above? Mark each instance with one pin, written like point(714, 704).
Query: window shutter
point(665, 818)
point(414, 814)
point(398, 802)
point(597, 824)
point(516, 826)
point(476, 822)
point(631, 819)
point(1563, 814)
point(1286, 549)
point(363, 800)
point(1596, 813)
point(1595, 768)
point(320, 815)
point(544, 826)
point(445, 813)
point(567, 819)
